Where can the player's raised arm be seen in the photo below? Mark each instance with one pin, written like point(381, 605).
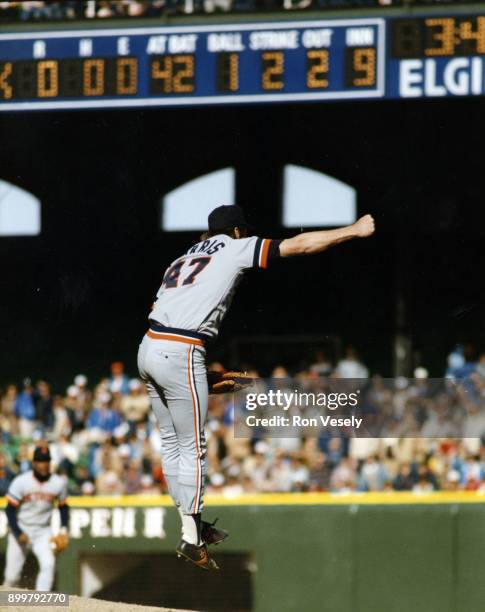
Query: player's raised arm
point(309, 243)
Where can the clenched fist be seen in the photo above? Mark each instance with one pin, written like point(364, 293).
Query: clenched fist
point(365, 226)
point(24, 539)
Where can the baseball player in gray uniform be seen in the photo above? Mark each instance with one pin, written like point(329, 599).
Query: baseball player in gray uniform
point(195, 294)
point(30, 502)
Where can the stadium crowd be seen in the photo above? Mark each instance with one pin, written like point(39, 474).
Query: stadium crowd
point(105, 440)
point(57, 10)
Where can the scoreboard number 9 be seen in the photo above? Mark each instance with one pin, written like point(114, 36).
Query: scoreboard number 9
point(361, 67)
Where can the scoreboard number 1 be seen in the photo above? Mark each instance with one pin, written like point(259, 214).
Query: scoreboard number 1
point(227, 72)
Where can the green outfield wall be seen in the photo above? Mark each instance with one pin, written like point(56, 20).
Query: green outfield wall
point(358, 553)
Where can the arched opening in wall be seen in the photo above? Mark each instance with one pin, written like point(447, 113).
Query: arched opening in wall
point(19, 211)
point(314, 199)
point(186, 208)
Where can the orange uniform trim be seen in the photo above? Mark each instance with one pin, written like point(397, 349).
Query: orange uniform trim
point(157, 336)
point(264, 253)
point(194, 408)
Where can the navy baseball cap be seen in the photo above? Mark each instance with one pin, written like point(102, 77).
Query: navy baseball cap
point(225, 217)
point(41, 453)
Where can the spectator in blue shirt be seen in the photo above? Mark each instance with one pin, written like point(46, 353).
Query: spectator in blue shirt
point(119, 381)
point(104, 417)
point(25, 410)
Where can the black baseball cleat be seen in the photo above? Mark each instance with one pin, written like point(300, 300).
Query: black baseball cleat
point(211, 535)
point(196, 554)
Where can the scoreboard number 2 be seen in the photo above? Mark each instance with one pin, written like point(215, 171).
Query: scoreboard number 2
point(317, 69)
point(273, 64)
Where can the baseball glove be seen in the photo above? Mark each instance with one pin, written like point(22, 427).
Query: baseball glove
point(59, 542)
point(229, 382)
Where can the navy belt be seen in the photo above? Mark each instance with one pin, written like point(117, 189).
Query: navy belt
point(162, 332)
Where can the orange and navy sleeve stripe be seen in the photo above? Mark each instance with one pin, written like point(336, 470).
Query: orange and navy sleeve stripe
point(12, 500)
point(265, 250)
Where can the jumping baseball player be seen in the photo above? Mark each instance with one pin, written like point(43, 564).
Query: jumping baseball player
point(195, 294)
point(30, 501)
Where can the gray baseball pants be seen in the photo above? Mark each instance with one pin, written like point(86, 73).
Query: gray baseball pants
point(174, 371)
point(17, 553)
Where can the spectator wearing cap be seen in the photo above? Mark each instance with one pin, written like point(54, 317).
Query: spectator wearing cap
point(135, 406)
point(84, 395)
point(119, 382)
point(25, 410)
point(104, 418)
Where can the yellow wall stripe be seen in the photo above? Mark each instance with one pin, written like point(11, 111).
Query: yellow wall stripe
point(285, 499)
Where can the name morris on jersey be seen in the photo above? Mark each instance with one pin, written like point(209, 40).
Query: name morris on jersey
point(207, 246)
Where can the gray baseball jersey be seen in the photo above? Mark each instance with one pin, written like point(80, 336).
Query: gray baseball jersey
point(34, 499)
point(196, 292)
point(198, 287)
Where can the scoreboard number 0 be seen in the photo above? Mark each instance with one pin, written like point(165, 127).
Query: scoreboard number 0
point(46, 79)
point(127, 76)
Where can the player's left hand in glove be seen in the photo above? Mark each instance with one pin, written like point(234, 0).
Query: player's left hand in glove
point(228, 382)
point(59, 542)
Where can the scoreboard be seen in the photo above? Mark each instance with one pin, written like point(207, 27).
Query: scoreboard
point(317, 60)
